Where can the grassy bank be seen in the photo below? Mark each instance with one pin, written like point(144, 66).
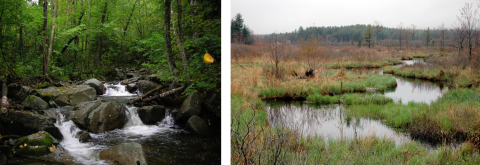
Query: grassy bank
point(347, 83)
point(255, 141)
point(456, 116)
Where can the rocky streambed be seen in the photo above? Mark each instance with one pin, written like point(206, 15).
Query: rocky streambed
point(91, 123)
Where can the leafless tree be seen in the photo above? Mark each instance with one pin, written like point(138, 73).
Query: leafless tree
point(407, 36)
point(378, 29)
point(413, 31)
point(441, 28)
point(468, 20)
point(400, 33)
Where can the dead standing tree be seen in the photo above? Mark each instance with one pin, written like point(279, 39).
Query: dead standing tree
point(400, 33)
point(468, 20)
point(277, 53)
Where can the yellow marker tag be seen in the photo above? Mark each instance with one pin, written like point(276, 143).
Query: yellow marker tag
point(207, 58)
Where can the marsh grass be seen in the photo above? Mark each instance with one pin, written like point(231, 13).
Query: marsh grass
point(254, 141)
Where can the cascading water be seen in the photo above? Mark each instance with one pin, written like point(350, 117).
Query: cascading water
point(84, 153)
point(117, 90)
point(160, 142)
point(135, 126)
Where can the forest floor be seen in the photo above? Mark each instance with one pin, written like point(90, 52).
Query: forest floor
point(345, 75)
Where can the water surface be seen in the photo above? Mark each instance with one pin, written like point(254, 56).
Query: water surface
point(327, 121)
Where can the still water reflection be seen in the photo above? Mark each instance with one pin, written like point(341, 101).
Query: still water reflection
point(416, 91)
point(327, 121)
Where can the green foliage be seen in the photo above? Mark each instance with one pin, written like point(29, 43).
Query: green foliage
point(368, 35)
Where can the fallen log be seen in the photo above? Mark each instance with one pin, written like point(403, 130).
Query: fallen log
point(149, 93)
point(3, 109)
point(164, 94)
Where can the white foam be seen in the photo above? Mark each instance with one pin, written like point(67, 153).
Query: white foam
point(135, 125)
point(117, 90)
point(83, 153)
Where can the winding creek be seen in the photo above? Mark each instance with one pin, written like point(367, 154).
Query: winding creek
point(163, 143)
point(330, 121)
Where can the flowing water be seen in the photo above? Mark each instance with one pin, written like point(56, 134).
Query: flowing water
point(163, 143)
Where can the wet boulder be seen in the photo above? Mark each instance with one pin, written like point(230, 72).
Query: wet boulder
point(145, 86)
point(18, 92)
point(34, 103)
point(132, 75)
point(98, 117)
point(212, 103)
point(192, 105)
point(83, 136)
point(72, 95)
point(197, 125)
point(125, 153)
point(37, 144)
point(151, 114)
point(97, 85)
point(132, 87)
point(25, 123)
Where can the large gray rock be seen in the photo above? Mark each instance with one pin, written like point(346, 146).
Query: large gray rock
point(25, 123)
point(131, 75)
point(145, 86)
point(83, 136)
point(198, 125)
point(99, 117)
point(132, 87)
point(34, 103)
point(68, 95)
point(125, 154)
point(97, 85)
point(192, 105)
point(151, 114)
point(18, 92)
point(212, 103)
point(37, 144)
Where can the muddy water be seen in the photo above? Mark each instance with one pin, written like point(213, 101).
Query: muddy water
point(327, 121)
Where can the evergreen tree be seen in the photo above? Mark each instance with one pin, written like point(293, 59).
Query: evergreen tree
point(368, 35)
point(428, 38)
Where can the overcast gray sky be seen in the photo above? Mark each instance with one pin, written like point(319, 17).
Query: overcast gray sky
point(268, 16)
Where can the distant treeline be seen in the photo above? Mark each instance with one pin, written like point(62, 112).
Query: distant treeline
point(349, 35)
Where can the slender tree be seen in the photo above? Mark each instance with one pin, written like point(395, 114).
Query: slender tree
point(413, 31)
point(368, 35)
point(168, 45)
point(468, 20)
point(428, 37)
point(400, 33)
point(378, 30)
point(180, 36)
point(44, 45)
point(52, 34)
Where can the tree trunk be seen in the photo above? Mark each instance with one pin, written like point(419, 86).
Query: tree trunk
point(3, 109)
point(45, 8)
point(164, 94)
point(21, 41)
point(125, 30)
point(180, 35)
point(88, 38)
point(149, 93)
point(100, 38)
point(52, 35)
point(168, 43)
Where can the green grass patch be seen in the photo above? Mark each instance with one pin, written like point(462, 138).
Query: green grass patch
point(353, 84)
point(350, 99)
